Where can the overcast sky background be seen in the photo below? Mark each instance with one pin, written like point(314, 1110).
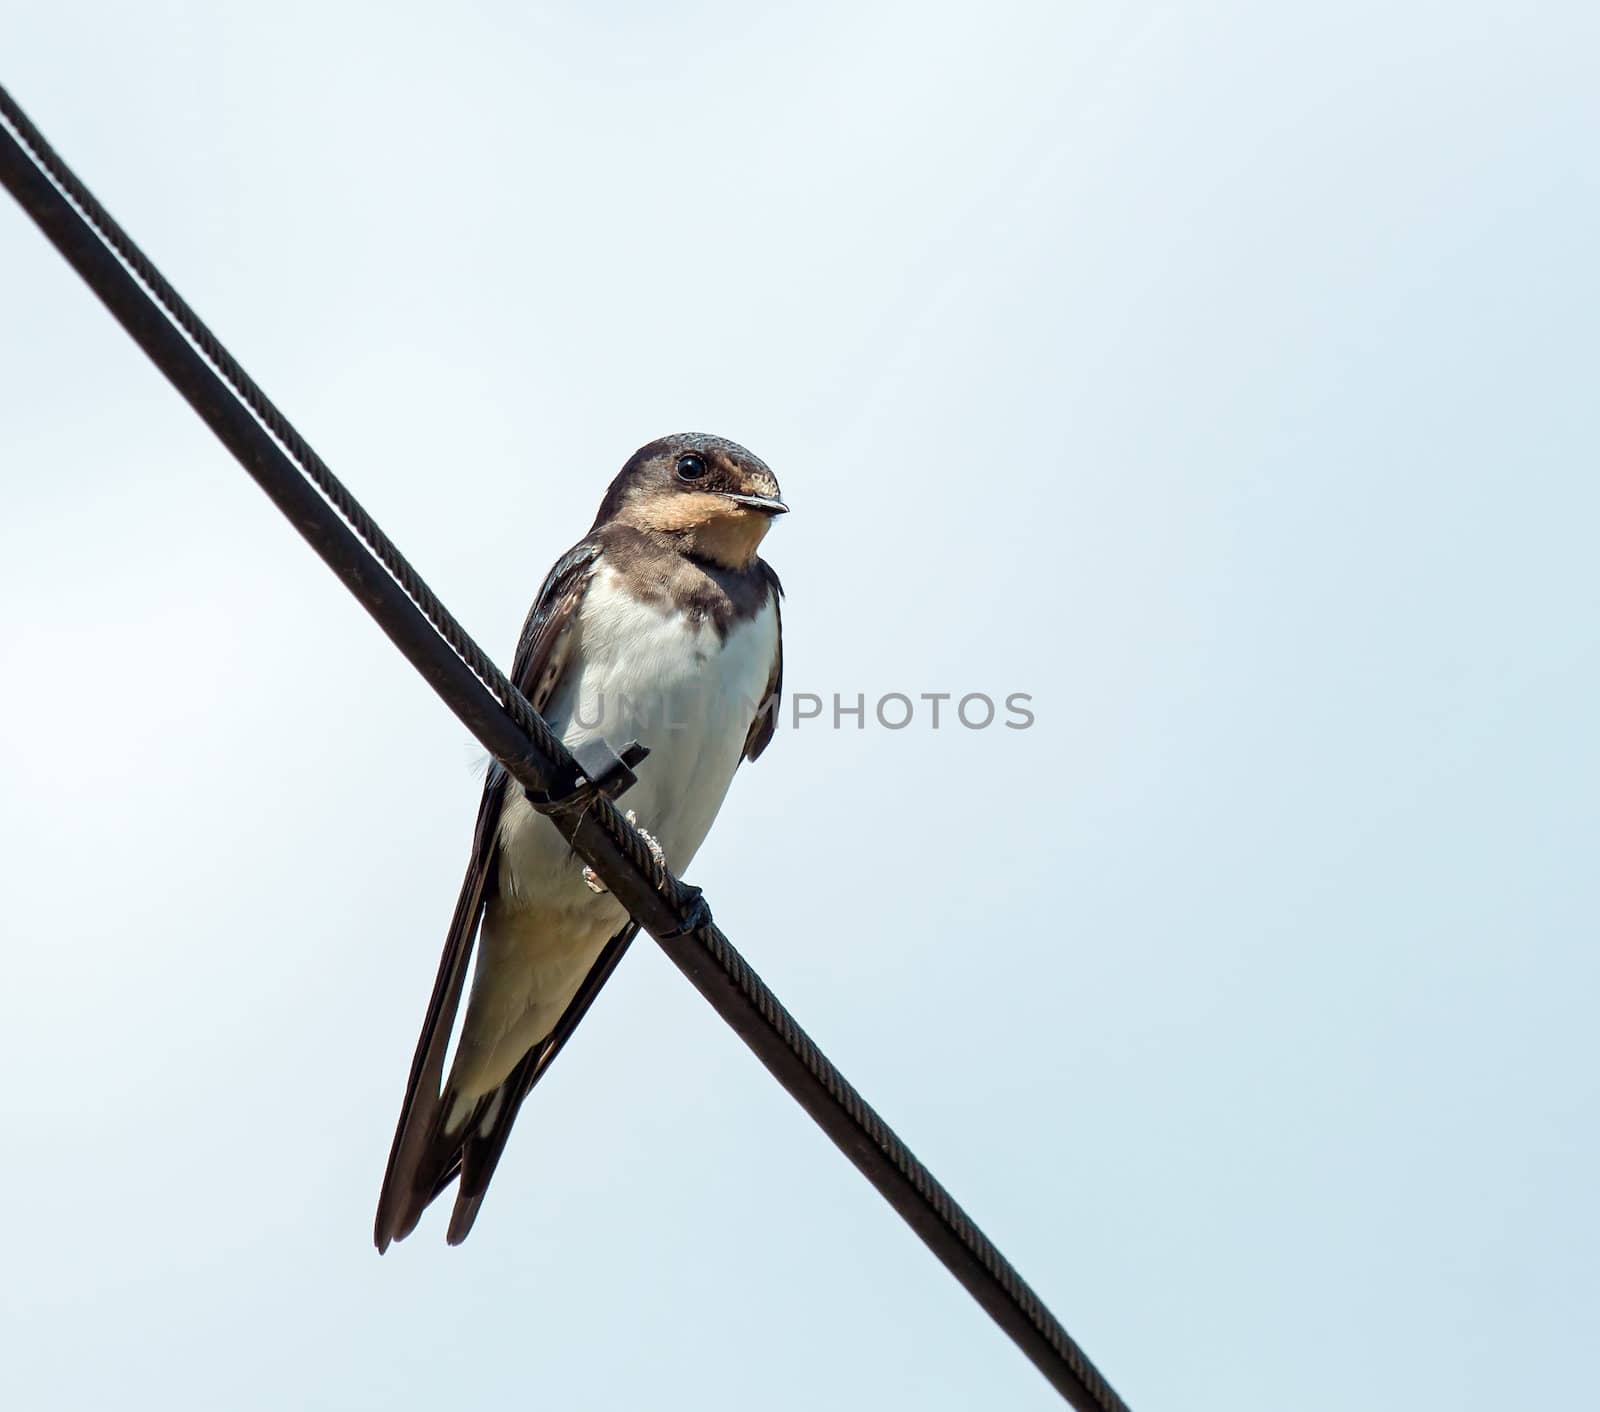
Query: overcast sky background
point(1223, 376)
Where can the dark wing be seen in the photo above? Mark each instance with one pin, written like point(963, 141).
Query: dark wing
point(413, 1176)
point(766, 720)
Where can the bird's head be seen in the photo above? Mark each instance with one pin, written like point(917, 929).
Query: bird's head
point(712, 497)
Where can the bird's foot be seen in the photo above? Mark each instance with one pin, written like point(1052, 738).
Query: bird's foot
point(698, 915)
point(656, 850)
point(592, 881)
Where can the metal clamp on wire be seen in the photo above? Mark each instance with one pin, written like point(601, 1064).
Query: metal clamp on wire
point(601, 770)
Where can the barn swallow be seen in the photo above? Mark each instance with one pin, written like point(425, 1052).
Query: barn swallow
point(661, 625)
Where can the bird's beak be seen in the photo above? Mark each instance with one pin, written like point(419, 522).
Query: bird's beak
point(767, 504)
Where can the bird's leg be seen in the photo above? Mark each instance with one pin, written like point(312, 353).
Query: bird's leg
point(656, 851)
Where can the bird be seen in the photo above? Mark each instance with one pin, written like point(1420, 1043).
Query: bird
point(661, 625)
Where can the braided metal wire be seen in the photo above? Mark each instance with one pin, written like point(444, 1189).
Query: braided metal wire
point(267, 412)
point(777, 1017)
point(627, 839)
point(928, 1187)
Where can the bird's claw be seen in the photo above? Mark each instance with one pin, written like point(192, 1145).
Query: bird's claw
point(698, 915)
point(656, 850)
point(592, 880)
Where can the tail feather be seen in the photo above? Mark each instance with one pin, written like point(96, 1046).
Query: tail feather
point(430, 1151)
point(468, 1149)
point(484, 1139)
point(446, 1155)
point(415, 1158)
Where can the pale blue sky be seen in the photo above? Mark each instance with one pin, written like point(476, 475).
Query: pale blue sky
point(1224, 377)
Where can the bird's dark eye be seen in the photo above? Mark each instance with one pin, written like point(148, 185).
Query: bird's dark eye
point(691, 467)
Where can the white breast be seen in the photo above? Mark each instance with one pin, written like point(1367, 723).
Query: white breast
point(676, 686)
